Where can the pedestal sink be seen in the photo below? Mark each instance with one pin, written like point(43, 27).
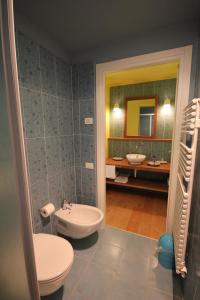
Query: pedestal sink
point(135, 159)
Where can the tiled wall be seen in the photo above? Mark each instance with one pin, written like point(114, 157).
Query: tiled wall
point(192, 281)
point(84, 135)
point(47, 107)
point(162, 89)
point(56, 97)
point(161, 150)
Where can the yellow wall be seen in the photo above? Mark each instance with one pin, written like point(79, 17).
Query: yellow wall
point(107, 117)
point(133, 76)
point(133, 115)
point(143, 74)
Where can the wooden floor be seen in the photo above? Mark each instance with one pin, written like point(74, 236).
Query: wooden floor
point(139, 212)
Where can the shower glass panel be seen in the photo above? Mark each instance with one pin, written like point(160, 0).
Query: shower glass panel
point(16, 242)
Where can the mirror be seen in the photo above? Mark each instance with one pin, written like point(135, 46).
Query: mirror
point(141, 117)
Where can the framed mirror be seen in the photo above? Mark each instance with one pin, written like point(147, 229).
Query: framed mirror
point(141, 117)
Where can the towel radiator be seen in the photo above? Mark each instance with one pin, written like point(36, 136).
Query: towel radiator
point(188, 144)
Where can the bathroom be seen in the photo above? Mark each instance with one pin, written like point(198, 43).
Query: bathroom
point(52, 149)
point(129, 207)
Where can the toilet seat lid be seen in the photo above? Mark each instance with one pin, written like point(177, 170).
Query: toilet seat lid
point(53, 256)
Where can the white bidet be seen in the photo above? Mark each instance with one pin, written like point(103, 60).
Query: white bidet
point(79, 221)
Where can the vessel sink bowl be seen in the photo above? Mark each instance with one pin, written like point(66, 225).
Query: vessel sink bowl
point(135, 158)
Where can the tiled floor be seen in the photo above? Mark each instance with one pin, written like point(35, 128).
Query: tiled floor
point(117, 265)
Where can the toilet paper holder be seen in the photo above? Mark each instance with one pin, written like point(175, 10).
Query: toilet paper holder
point(47, 210)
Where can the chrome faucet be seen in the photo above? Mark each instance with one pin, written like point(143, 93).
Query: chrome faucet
point(154, 159)
point(66, 205)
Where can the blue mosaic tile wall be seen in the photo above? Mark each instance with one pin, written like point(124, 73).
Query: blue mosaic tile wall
point(47, 107)
point(84, 135)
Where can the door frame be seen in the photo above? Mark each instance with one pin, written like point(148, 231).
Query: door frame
point(184, 56)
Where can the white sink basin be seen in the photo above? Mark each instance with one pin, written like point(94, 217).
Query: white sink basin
point(135, 158)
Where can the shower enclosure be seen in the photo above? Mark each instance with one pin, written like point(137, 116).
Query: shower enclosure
point(17, 277)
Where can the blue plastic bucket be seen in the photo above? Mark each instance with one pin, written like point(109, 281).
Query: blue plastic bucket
point(166, 251)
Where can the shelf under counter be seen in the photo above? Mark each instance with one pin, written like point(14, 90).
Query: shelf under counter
point(141, 184)
point(138, 183)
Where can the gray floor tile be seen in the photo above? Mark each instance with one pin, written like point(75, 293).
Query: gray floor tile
point(117, 265)
point(96, 283)
point(108, 256)
point(122, 291)
point(140, 246)
point(116, 237)
point(160, 278)
point(152, 294)
point(74, 296)
point(78, 269)
point(86, 247)
point(134, 271)
point(164, 280)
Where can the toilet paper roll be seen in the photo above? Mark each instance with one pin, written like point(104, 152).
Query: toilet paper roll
point(47, 210)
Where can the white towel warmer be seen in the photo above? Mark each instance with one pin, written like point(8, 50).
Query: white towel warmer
point(185, 175)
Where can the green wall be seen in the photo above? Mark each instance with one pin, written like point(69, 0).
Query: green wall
point(162, 89)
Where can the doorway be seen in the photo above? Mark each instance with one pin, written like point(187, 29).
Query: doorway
point(140, 110)
point(183, 56)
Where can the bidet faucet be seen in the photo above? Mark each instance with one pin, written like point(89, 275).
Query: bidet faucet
point(66, 205)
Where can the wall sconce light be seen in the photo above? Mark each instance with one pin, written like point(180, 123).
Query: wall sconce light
point(166, 109)
point(167, 101)
point(117, 110)
point(116, 107)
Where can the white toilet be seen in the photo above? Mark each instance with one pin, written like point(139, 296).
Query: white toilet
point(54, 258)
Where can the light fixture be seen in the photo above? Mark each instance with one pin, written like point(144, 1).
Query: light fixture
point(116, 107)
point(166, 109)
point(117, 110)
point(167, 101)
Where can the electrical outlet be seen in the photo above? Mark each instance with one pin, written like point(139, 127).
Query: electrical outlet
point(88, 121)
point(89, 165)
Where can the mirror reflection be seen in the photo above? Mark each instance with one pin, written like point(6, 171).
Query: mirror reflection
point(140, 117)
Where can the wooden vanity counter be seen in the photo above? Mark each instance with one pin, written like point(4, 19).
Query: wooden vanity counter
point(141, 184)
point(124, 164)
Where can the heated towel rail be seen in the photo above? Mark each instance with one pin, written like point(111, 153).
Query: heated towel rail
point(185, 175)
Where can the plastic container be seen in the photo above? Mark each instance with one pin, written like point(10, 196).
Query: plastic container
point(166, 251)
